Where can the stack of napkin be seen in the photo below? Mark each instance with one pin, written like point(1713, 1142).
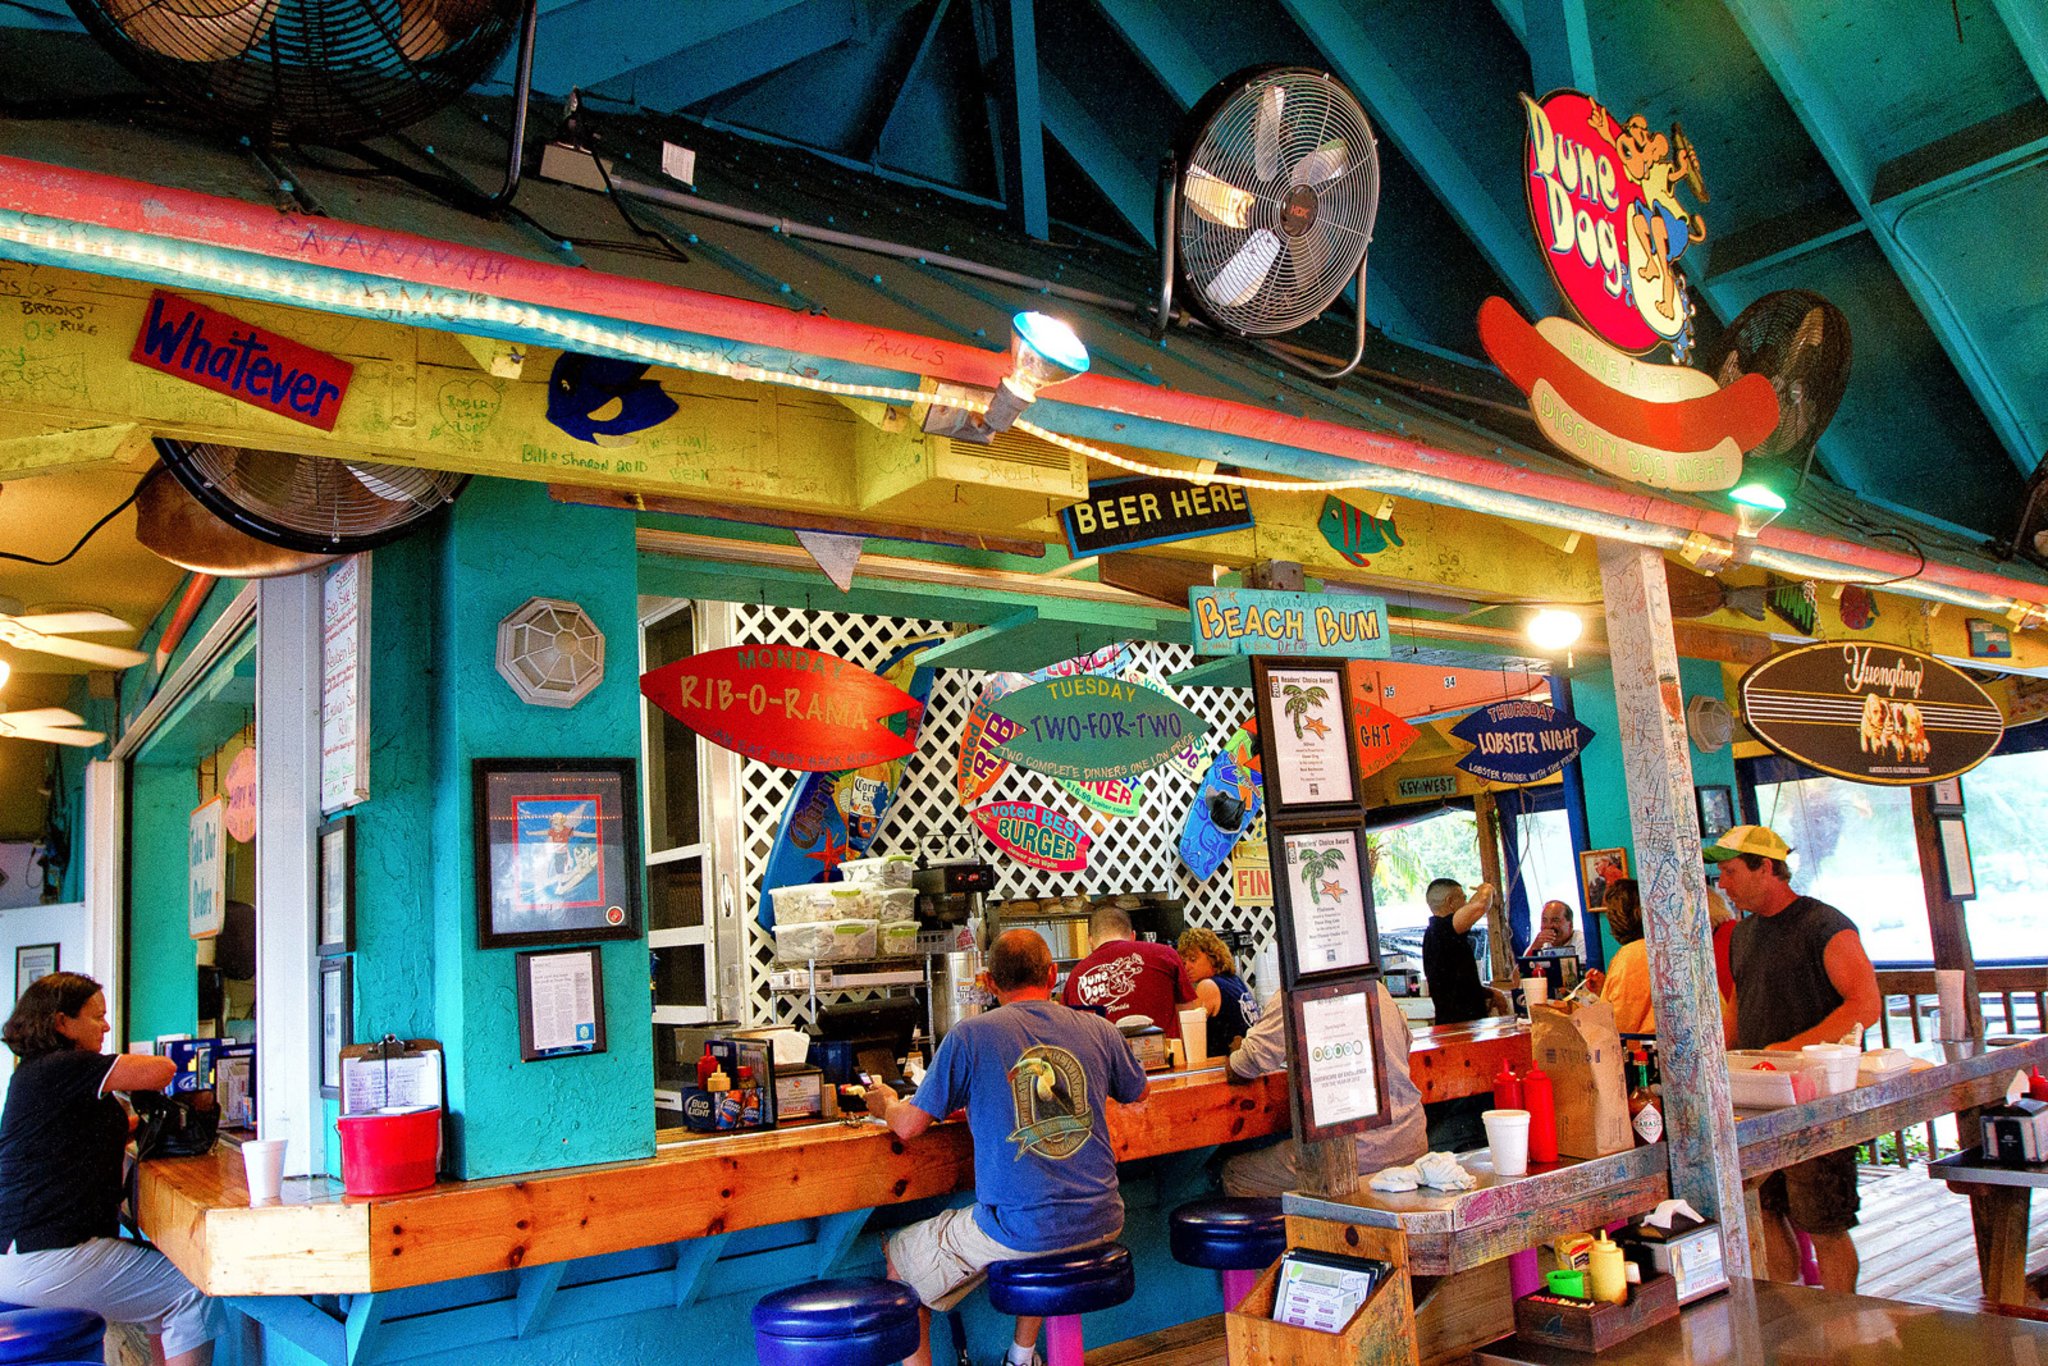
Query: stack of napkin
point(1438, 1171)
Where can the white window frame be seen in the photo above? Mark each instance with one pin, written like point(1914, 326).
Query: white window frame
point(705, 933)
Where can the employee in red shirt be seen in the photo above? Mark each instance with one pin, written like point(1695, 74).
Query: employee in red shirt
point(1127, 976)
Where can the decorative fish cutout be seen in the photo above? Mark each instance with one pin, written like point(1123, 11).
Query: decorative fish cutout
point(1355, 534)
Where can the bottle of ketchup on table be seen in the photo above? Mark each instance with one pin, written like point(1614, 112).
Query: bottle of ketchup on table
point(1507, 1088)
point(1541, 1103)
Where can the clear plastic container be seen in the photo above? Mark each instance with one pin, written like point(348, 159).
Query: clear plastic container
point(893, 905)
point(890, 870)
point(1840, 1061)
point(1790, 1079)
point(851, 939)
point(801, 904)
point(896, 938)
point(804, 942)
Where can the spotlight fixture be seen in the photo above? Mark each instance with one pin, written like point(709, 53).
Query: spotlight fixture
point(1553, 629)
point(1756, 507)
point(1043, 352)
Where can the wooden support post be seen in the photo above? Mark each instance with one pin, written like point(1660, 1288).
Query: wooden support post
point(1706, 1167)
point(1945, 920)
point(1330, 1167)
point(1499, 942)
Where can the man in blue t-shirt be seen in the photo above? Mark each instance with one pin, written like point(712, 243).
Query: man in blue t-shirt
point(1032, 1076)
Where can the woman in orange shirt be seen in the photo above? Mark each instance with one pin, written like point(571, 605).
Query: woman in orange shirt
point(1626, 986)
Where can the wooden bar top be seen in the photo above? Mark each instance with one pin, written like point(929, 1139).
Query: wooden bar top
point(318, 1241)
point(1452, 1061)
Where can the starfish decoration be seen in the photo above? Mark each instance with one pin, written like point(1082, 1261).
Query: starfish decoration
point(830, 854)
point(1333, 890)
point(1320, 727)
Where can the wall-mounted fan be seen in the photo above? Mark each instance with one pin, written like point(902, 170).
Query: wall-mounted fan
point(244, 513)
point(1267, 211)
point(325, 71)
point(51, 725)
point(49, 633)
point(1800, 342)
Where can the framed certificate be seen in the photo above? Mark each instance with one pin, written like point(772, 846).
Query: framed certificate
point(1333, 1053)
point(1307, 740)
point(1322, 895)
point(337, 840)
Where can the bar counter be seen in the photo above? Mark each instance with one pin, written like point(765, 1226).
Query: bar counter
point(319, 1241)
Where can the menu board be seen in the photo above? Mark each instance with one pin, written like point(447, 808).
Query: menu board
point(1311, 750)
point(344, 706)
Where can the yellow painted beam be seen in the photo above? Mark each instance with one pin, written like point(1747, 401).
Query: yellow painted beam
point(498, 359)
point(119, 446)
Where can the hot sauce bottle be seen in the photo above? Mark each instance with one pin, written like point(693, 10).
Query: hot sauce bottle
point(1645, 1116)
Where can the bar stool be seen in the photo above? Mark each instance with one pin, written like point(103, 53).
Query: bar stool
point(1239, 1236)
point(34, 1337)
point(1059, 1289)
point(859, 1321)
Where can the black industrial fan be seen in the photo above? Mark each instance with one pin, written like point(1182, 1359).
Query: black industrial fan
point(322, 71)
point(1800, 342)
point(1268, 208)
point(315, 505)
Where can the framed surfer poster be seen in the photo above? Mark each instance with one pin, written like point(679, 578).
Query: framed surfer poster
point(557, 851)
point(1322, 894)
point(1308, 757)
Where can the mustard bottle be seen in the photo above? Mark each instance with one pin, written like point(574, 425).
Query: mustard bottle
point(1607, 1281)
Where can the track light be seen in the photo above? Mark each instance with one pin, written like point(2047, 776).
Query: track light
point(1756, 507)
point(1043, 352)
point(1554, 629)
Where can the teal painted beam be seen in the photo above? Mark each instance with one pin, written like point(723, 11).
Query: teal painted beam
point(1160, 42)
point(684, 76)
point(535, 1296)
point(363, 1327)
point(2026, 23)
point(835, 1233)
point(298, 1322)
point(1397, 102)
point(874, 141)
point(1559, 40)
point(583, 43)
point(1027, 127)
point(1129, 190)
point(1772, 33)
point(694, 1260)
point(1225, 671)
point(1044, 635)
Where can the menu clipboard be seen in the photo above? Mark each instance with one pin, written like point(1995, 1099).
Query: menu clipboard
point(392, 1073)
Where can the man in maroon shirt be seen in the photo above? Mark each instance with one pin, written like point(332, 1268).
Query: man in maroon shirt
point(1126, 976)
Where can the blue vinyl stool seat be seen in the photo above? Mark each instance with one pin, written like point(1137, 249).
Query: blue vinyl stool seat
point(1060, 1288)
point(1239, 1236)
point(29, 1336)
point(860, 1321)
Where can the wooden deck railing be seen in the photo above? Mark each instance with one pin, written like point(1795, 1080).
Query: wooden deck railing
point(2003, 992)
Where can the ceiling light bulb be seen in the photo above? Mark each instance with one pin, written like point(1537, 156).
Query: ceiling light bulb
point(1756, 507)
point(1553, 628)
point(5, 670)
point(1043, 352)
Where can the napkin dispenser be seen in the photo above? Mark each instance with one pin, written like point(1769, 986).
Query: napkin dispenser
point(1689, 1252)
point(2016, 1132)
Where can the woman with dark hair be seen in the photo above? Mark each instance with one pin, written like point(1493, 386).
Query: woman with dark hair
point(62, 1138)
point(1626, 984)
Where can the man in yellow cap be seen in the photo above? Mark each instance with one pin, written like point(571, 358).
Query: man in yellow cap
point(1801, 977)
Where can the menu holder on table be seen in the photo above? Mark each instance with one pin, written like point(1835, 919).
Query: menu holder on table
point(1318, 1291)
point(1382, 1330)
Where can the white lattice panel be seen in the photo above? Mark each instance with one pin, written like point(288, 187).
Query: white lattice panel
point(1134, 854)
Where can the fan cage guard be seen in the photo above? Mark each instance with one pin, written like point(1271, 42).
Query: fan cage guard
point(322, 71)
point(1294, 122)
point(314, 504)
point(1769, 332)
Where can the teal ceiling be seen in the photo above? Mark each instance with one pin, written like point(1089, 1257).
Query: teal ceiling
point(1892, 156)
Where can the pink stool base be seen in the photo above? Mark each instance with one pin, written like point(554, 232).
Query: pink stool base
point(1063, 1341)
point(1524, 1273)
point(1236, 1285)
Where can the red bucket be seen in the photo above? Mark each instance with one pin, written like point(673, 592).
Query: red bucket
point(386, 1154)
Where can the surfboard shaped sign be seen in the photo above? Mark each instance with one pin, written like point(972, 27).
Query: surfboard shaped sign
point(1871, 713)
point(1036, 836)
point(787, 706)
point(1110, 796)
point(1382, 736)
point(1519, 742)
point(980, 766)
point(1089, 728)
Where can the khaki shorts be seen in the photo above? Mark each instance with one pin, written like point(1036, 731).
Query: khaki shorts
point(1818, 1196)
point(946, 1257)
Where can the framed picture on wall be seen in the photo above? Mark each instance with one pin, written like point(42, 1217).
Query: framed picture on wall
point(557, 851)
point(1333, 1055)
point(1600, 869)
point(1717, 812)
point(337, 1022)
point(1308, 752)
point(338, 886)
point(1945, 797)
point(1955, 860)
point(32, 961)
point(1323, 897)
point(206, 869)
point(561, 1003)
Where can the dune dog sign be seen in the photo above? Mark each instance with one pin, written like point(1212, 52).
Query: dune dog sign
point(1089, 728)
point(787, 706)
point(1871, 713)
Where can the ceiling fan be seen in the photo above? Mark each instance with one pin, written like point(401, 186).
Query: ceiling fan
point(53, 725)
point(49, 632)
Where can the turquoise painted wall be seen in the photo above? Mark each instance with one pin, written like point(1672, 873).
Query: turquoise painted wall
point(505, 543)
point(163, 987)
point(1607, 803)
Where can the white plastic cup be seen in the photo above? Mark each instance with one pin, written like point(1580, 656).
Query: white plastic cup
point(1535, 990)
point(1948, 985)
point(263, 1166)
point(1507, 1138)
point(1194, 1033)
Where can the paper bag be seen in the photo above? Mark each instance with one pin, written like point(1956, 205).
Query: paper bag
point(1581, 1050)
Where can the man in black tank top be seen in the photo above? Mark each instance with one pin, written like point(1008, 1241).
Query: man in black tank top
point(1801, 977)
point(1448, 963)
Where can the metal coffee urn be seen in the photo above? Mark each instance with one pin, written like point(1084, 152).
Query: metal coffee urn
point(954, 896)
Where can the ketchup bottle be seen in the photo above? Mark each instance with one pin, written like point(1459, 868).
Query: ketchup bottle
point(1507, 1088)
point(706, 1065)
point(1541, 1103)
point(2037, 1085)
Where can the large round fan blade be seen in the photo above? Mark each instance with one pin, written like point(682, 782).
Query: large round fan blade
point(194, 30)
point(42, 716)
point(1266, 132)
point(1323, 165)
point(106, 656)
point(427, 28)
point(80, 738)
point(1219, 201)
point(1243, 273)
point(67, 623)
